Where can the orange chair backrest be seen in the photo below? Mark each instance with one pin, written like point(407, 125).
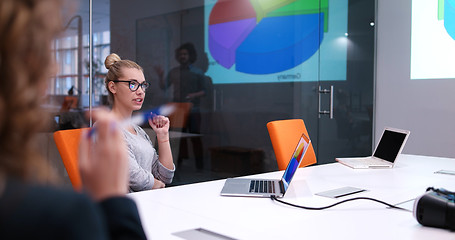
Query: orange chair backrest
point(67, 142)
point(179, 117)
point(284, 135)
point(68, 103)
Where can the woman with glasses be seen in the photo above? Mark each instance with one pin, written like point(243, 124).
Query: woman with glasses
point(126, 86)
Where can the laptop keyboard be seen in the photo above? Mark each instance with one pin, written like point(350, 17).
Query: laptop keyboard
point(262, 186)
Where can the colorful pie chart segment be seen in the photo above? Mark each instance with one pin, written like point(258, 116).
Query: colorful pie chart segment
point(263, 7)
point(304, 7)
point(266, 36)
point(226, 11)
point(449, 17)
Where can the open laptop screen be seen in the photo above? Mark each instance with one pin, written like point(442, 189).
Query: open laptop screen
point(390, 145)
point(296, 159)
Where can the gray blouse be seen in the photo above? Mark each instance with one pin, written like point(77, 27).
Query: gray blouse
point(144, 164)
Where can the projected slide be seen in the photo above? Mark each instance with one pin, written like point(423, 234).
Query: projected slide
point(433, 39)
point(276, 40)
point(276, 43)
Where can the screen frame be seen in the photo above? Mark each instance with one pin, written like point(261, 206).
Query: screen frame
point(394, 130)
point(305, 139)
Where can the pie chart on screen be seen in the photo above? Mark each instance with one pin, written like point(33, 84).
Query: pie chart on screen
point(266, 36)
point(448, 7)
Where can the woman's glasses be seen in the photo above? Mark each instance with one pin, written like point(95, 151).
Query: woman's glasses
point(134, 84)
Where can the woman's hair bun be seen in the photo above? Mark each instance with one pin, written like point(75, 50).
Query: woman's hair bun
point(111, 59)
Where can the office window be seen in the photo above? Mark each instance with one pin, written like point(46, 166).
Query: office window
point(66, 54)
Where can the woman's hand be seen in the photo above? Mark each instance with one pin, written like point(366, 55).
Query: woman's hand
point(158, 184)
point(103, 162)
point(160, 124)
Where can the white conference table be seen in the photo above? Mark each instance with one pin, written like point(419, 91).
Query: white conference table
point(175, 209)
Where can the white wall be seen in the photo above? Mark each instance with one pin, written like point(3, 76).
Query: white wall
point(426, 107)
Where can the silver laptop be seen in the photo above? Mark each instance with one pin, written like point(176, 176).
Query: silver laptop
point(387, 151)
point(248, 187)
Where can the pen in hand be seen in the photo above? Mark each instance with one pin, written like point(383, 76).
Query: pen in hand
point(140, 117)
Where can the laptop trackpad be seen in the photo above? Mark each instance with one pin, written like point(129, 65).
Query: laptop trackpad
point(233, 185)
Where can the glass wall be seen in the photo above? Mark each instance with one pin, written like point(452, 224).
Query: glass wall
point(253, 62)
point(66, 51)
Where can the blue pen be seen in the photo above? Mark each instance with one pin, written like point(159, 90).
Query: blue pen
point(141, 117)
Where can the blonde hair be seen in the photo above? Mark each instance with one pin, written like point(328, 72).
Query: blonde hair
point(115, 64)
point(27, 28)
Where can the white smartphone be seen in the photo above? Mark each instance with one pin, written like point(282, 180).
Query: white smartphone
point(341, 192)
point(448, 172)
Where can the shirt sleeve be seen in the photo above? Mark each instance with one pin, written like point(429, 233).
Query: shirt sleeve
point(140, 179)
point(162, 173)
point(159, 171)
point(144, 178)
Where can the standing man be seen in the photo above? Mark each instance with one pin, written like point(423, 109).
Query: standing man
point(188, 86)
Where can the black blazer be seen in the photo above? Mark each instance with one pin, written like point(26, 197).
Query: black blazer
point(41, 212)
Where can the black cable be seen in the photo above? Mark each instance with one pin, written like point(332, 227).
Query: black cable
point(347, 200)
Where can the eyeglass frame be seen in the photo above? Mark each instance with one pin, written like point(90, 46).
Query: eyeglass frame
point(142, 85)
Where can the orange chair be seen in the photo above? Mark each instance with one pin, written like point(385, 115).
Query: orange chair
point(179, 117)
point(69, 102)
point(284, 135)
point(67, 142)
point(179, 123)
